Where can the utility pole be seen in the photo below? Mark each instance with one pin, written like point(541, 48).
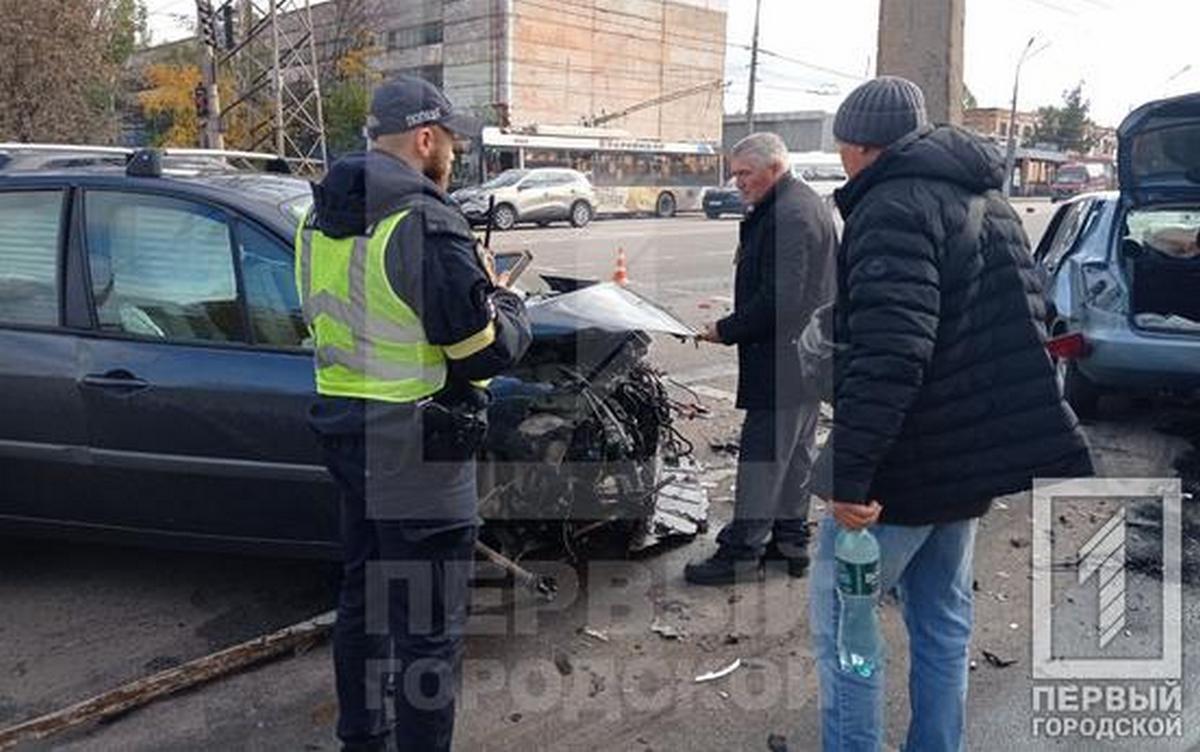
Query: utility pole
point(209, 105)
point(1010, 158)
point(273, 58)
point(753, 69)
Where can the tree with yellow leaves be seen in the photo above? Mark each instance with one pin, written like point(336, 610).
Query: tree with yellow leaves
point(169, 104)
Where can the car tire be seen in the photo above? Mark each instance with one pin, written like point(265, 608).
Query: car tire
point(543, 223)
point(712, 215)
point(664, 207)
point(504, 217)
point(1082, 394)
point(581, 214)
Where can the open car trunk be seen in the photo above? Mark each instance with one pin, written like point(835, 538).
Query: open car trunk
point(1162, 252)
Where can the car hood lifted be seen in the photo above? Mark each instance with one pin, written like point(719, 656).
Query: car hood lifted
point(582, 440)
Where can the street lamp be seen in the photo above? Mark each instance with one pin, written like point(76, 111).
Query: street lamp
point(1010, 158)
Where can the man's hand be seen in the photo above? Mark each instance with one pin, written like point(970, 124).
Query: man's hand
point(853, 516)
point(710, 334)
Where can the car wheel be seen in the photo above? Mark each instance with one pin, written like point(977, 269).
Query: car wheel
point(581, 214)
point(543, 223)
point(504, 217)
point(664, 208)
point(1081, 393)
point(712, 215)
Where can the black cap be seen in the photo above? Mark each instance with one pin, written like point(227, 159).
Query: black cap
point(408, 102)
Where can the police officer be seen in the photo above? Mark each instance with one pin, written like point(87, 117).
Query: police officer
point(407, 320)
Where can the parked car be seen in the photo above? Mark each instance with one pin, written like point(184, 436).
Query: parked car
point(1074, 178)
point(157, 374)
point(1123, 268)
point(541, 195)
point(724, 200)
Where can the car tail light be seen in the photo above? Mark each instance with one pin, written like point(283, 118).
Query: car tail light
point(1069, 347)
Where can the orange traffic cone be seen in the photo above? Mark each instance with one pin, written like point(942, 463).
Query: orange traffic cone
point(621, 275)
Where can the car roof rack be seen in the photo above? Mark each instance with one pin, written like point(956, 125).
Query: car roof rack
point(273, 162)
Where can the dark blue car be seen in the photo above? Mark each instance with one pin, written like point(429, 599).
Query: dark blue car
point(155, 374)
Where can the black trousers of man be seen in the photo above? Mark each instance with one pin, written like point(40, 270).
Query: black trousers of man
point(402, 614)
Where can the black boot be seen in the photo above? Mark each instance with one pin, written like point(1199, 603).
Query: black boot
point(794, 554)
point(722, 570)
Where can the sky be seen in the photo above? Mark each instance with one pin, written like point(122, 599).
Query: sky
point(1124, 51)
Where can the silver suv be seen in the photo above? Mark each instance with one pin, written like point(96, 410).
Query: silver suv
point(541, 195)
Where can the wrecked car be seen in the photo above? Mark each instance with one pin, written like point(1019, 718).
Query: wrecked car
point(155, 379)
point(1123, 267)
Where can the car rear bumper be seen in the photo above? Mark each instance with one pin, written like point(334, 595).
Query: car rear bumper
point(1124, 357)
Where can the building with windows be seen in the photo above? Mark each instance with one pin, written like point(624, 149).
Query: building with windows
point(653, 68)
point(992, 122)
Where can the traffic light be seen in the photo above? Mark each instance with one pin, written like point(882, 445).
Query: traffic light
point(206, 22)
point(200, 97)
point(228, 26)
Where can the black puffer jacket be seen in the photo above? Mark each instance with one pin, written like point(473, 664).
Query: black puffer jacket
point(946, 396)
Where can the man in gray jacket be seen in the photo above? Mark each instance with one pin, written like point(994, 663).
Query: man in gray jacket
point(785, 264)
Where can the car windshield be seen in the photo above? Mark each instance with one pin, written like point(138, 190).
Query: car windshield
point(505, 179)
point(297, 207)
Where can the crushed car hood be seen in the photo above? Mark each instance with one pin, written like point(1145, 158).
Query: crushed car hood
point(1158, 152)
point(605, 307)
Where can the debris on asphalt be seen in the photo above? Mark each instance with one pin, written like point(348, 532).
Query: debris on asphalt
point(1018, 542)
point(975, 586)
point(725, 447)
point(974, 665)
point(1014, 626)
point(595, 634)
point(1002, 575)
point(777, 743)
point(515, 717)
point(1001, 597)
point(666, 631)
point(141, 692)
point(734, 638)
point(1002, 506)
point(720, 673)
point(996, 661)
point(562, 662)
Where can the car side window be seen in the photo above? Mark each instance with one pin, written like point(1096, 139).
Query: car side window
point(269, 280)
point(29, 241)
point(162, 268)
point(1066, 231)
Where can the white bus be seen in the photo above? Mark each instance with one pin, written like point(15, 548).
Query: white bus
point(630, 175)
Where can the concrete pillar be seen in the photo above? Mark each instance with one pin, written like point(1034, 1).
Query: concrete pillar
point(922, 40)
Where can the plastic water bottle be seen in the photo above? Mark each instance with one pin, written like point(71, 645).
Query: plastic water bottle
point(858, 640)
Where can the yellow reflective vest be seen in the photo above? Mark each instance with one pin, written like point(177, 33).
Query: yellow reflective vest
point(369, 344)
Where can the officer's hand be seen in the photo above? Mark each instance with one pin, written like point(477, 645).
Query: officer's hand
point(710, 334)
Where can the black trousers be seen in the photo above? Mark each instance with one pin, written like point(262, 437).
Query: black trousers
point(402, 614)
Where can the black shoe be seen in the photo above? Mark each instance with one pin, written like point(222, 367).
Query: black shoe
point(796, 556)
point(374, 745)
point(721, 570)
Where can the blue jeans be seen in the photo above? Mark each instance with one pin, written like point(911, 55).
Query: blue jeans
point(930, 569)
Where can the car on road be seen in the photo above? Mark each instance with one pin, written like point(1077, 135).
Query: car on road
point(726, 199)
point(1075, 178)
point(157, 374)
point(1122, 269)
point(540, 196)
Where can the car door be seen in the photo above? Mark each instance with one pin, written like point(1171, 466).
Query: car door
point(44, 472)
point(196, 384)
point(534, 197)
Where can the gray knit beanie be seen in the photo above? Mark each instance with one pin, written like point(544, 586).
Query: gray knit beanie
point(880, 112)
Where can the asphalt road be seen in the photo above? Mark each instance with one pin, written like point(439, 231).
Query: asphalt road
point(77, 620)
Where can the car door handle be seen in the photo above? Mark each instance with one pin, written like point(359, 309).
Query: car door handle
point(116, 379)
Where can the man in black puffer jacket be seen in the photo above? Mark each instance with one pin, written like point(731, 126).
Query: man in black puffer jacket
point(945, 396)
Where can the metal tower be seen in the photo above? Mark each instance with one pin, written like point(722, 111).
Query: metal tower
point(270, 54)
